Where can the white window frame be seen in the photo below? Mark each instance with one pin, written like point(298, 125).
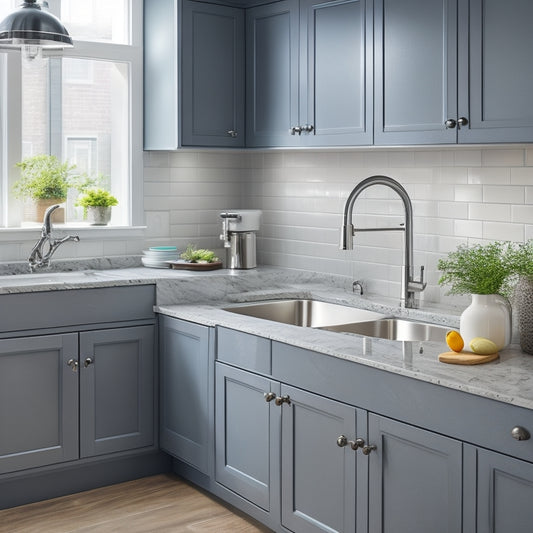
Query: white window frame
point(10, 123)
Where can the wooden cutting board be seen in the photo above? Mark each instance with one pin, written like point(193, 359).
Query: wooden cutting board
point(466, 358)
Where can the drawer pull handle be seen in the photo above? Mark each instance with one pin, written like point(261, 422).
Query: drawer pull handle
point(520, 433)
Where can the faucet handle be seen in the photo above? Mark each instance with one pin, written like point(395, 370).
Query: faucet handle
point(420, 285)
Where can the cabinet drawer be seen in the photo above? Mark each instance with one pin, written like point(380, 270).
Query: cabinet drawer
point(244, 350)
point(41, 310)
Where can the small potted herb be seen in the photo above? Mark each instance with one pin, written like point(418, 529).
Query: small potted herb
point(45, 180)
point(192, 255)
point(97, 205)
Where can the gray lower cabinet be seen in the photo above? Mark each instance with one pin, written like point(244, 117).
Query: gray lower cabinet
point(415, 479)
point(116, 390)
point(38, 401)
point(499, 489)
point(74, 395)
point(185, 412)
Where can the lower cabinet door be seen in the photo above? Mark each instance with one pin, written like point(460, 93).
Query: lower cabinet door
point(184, 391)
point(319, 476)
point(247, 436)
point(504, 494)
point(116, 390)
point(38, 401)
point(415, 479)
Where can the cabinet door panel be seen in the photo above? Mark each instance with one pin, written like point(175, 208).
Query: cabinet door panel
point(336, 71)
point(272, 74)
point(504, 494)
point(184, 380)
point(38, 401)
point(415, 479)
point(496, 68)
point(213, 75)
point(318, 477)
point(116, 390)
point(247, 435)
point(416, 79)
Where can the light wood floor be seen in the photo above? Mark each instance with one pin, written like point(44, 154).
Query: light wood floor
point(162, 504)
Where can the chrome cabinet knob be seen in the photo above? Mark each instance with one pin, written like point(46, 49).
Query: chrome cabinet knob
point(520, 433)
point(342, 441)
point(73, 364)
point(308, 128)
point(463, 121)
point(280, 400)
point(232, 133)
point(88, 361)
point(450, 124)
point(269, 396)
point(367, 449)
point(296, 130)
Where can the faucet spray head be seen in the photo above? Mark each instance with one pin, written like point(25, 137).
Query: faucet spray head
point(347, 231)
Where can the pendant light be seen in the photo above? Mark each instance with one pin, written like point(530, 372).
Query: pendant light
point(32, 26)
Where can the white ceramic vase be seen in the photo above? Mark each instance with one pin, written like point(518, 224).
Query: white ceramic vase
point(488, 316)
point(98, 215)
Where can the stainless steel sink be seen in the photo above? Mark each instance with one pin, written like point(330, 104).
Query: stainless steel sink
point(396, 329)
point(304, 313)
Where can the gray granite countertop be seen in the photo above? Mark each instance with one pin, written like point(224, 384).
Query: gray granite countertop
point(200, 297)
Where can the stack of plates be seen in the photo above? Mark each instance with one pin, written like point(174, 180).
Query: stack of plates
point(156, 256)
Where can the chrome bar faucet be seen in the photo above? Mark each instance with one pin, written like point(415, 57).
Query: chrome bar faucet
point(411, 287)
point(45, 247)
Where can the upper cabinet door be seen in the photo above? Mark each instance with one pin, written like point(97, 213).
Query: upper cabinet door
point(272, 74)
point(415, 71)
point(336, 72)
point(496, 71)
point(213, 75)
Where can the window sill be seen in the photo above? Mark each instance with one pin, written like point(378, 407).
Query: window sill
point(89, 232)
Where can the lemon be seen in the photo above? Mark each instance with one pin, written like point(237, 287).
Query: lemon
point(483, 346)
point(455, 341)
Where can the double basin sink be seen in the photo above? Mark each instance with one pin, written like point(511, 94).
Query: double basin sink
point(342, 319)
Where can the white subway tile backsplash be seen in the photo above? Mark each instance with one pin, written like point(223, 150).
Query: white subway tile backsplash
point(468, 228)
point(502, 157)
point(490, 212)
point(468, 193)
point(503, 195)
point(522, 214)
point(503, 231)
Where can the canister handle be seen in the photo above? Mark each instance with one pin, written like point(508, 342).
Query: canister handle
point(226, 217)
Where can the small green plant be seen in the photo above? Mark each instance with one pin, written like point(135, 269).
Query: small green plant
point(193, 255)
point(96, 198)
point(43, 177)
point(478, 269)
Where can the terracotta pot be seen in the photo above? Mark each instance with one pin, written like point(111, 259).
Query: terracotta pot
point(523, 300)
point(98, 215)
point(34, 211)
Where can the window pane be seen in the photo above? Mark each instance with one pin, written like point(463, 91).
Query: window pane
point(94, 128)
point(6, 6)
point(97, 20)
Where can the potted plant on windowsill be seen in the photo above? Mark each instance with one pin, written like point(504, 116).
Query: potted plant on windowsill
point(45, 181)
point(97, 205)
point(484, 271)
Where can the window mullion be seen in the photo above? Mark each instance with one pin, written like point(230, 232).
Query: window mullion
point(55, 108)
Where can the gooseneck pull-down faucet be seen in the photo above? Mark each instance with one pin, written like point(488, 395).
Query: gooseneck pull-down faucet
point(410, 286)
point(39, 257)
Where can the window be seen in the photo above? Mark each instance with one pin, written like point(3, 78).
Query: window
point(83, 106)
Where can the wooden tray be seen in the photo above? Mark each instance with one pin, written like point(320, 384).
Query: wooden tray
point(184, 265)
point(466, 358)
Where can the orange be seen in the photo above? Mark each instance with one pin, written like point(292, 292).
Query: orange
point(455, 341)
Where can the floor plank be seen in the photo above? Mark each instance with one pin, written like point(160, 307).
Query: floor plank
point(162, 504)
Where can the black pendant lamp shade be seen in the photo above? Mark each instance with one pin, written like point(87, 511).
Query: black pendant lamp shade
point(31, 25)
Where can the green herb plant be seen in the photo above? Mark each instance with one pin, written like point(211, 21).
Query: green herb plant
point(193, 255)
point(96, 198)
point(521, 259)
point(43, 177)
point(478, 269)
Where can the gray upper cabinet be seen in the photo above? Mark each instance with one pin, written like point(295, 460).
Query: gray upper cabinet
point(185, 370)
point(116, 390)
point(271, 73)
point(495, 71)
point(193, 75)
point(415, 71)
point(38, 401)
point(309, 73)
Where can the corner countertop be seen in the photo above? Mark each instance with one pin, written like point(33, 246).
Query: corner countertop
point(201, 296)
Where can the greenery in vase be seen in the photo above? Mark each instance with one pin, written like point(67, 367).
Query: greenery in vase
point(43, 177)
point(97, 198)
point(521, 259)
point(478, 269)
point(193, 255)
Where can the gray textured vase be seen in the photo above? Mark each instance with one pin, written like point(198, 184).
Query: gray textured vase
point(98, 215)
point(523, 298)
